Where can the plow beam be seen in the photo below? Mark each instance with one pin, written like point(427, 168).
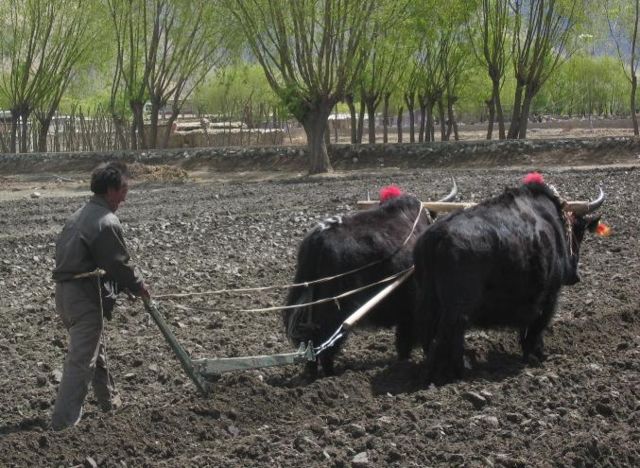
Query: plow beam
point(214, 367)
point(351, 320)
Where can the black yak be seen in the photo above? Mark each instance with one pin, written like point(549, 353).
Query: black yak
point(499, 264)
point(381, 237)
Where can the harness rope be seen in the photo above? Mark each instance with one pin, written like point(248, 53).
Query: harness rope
point(319, 301)
point(306, 284)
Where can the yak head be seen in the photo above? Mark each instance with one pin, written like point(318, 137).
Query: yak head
point(577, 226)
point(578, 218)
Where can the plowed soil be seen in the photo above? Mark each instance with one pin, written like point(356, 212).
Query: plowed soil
point(581, 407)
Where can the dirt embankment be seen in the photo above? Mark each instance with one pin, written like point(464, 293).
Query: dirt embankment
point(478, 153)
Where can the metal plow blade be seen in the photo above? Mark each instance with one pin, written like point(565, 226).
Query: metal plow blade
point(214, 367)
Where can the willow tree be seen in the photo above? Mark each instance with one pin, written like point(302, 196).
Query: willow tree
point(541, 42)
point(388, 55)
point(440, 55)
point(624, 21)
point(489, 44)
point(131, 71)
point(311, 52)
point(69, 46)
point(187, 40)
point(40, 43)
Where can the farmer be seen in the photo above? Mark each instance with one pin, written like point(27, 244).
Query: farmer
point(91, 239)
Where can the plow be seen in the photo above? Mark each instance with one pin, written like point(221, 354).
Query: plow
point(204, 372)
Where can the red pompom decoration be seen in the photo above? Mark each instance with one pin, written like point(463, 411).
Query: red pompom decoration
point(603, 230)
point(388, 192)
point(533, 178)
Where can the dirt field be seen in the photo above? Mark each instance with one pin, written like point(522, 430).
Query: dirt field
point(580, 408)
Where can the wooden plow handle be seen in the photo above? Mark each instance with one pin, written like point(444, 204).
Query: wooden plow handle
point(179, 351)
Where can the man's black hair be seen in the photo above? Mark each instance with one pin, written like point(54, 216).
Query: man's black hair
point(108, 175)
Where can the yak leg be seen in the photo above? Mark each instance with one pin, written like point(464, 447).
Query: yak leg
point(311, 369)
point(425, 319)
point(424, 307)
point(531, 338)
point(445, 361)
point(326, 361)
point(456, 305)
point(404, 337)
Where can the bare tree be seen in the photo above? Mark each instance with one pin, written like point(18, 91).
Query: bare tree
point(311, 52)
point(624, 20)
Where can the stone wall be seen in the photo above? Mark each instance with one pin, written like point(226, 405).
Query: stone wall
point(346, 157)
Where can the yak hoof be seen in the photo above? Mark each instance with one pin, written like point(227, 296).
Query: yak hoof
point(311, 370)
point(329, 371)
point(534, 359)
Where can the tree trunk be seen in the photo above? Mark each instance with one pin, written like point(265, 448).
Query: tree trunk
point(399, 124)
point(423, 115)
point(524, 114)
point(15, 118)
point(137, 125)
point(385, 118)
point(354, 121)
point(453, 124)
point(153, 128)
point(3, 145)
point(514, 129)
point(360, 122)
point(167, 132)
point(443, 124)
point(499, 115)
point(430, 124)
point(24, 132)
point(634, 117)
point(118, 124)
point(45, 123)
point(371, 112)
point(315, 126)
point(492, 113)
point(409, 100)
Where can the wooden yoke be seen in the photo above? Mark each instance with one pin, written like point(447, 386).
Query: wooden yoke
point(435, 206)
point(574, 206)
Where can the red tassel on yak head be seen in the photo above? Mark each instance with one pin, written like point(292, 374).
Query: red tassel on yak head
point(388, 192)
point(533, 178)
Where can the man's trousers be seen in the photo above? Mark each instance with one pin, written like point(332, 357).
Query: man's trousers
point(78, 304)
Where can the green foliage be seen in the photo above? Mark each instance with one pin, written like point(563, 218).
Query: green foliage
point(229, 90)
point(585, 85)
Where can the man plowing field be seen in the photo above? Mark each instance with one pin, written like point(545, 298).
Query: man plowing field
point(92, 266)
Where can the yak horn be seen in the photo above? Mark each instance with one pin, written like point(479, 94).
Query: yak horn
point(585, 207)
point(452, 195)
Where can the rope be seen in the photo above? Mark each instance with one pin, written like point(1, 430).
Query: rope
point(98, 273)
point(319, 301)
point(306, 284)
